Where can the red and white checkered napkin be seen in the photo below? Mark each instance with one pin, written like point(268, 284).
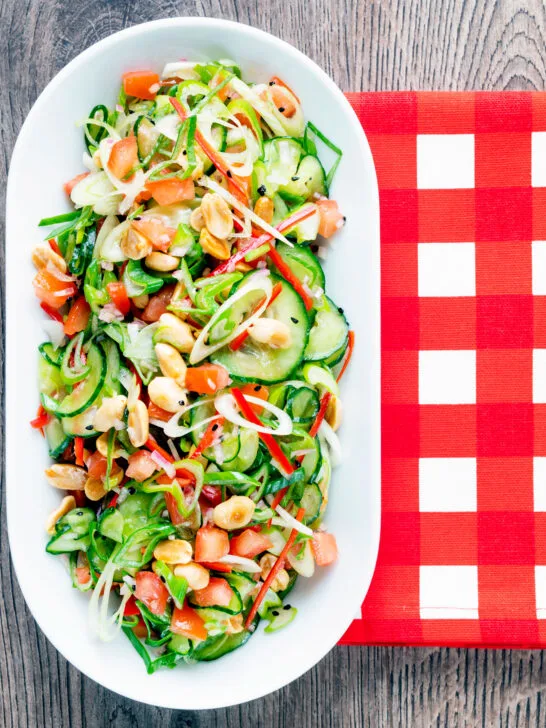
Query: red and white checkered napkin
point(462, 180)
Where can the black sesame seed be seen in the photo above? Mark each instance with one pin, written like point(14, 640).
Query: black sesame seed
point(287, 607)
point(184, 152)
point(257, 387)
point(294, 179)
point(344, 218)
point(89, 427)
point(281, 109)
point(340, 311)
point(229, 174)
point(181, 402)
point(262, 190)
point(79, 513)
point(215, 427)
point(272, 83)
point(275, 613)
point(162, 579)
point(294, 320)
point(131, 490)
point(138, 217)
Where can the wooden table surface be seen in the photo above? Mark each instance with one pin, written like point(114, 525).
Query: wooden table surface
point(363, 45)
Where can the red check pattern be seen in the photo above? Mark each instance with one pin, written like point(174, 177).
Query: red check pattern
point(462, 558)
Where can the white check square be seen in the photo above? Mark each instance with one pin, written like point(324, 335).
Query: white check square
point(447, 377)
point(447, 269)
point(539, 376)
point(540, 591)
point(445, 161)
point(539, 484)
point(538, 159)
point(447, 485)
point(448, 592)
point(539, 267)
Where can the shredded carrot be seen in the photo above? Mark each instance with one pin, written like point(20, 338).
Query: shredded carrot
point(348, 355)
point(324, 402)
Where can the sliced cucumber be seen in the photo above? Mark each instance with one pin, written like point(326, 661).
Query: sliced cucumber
point(281, 159)
point(261, 363)
point(111, 524)
point(249, 442)
point(234, 607)
point(329, 332)
point(215, 647)
point(81, 425)
point(302, 404)
point(50, 354)
point(337, 356)
point(56, 438)
point(270, 601)
point(49, 378)
point(303, 264)
point(309, 180)
point(179, 643)
point(229, 442)
point(307, 230)
point(244, 584)
point(311, 501)
point(279, 618)
point(85, 394)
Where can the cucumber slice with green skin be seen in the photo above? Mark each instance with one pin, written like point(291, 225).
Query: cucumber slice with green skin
point(302, 405)
point(303, 264)
point(260, 363)
point(82, 424)
point(84, 395)
point(72, 532)
point(49, 378)
point(311, 501)
point(56, 438)
point(309, 180)
point(244, 584)
point(50, 354)
point(281, 158)
point(111, 524)
point(279, 618)
point(230, 441)
point(337, 356)
point(312, 462)
point(271, 601)
point(179, 643)
point(329, 332)
point(234, 607)
point(249, 442)
point(307, 230)
point(215, 647)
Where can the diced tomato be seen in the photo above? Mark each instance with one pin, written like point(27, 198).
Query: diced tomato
point(69, 186)
point(211, 544)
point(258, 391)
point(79, 497)
point(96, 466)
point(324, 548)
point(153, 228)
point(188, 623)
point(207, 378)
point(217, 593)
point(157, 305)
point(123, 157)
point(282, 101)
point(131, 609)
point(331, 218)
point(158, 413)
point(212, 493)
point(118, 294)
point(141, 466)
point(141, 84)
point(152, 591)
point(172, 190)
point(82, 574)
point(51, 289)
point(217, 566)
point(249, 544)
point(78, 316)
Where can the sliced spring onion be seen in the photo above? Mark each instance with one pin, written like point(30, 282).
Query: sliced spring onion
point(226, 405)
point(333, 442)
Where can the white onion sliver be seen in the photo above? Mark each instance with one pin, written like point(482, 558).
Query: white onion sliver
point(244, 564)
point(226, 405)
point(172, 429)
point(172, 447)
point(291, 522)
point(54, 331)
point(164, 464)
point(333, 442)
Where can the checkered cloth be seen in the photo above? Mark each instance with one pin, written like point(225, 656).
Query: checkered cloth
point(462, 180)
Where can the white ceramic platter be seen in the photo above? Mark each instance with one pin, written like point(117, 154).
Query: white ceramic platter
point(49, 152)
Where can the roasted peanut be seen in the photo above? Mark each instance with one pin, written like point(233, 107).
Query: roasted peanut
point(176, 551)
point(138, 424)
point(110, 412)
point(162, 261)
point(275, 334)
point(334, 413)
point(282, 578)
point(235, 624)
point(219, 249)
point(102, 447)
point(171, 363)
point(94, 489)
point(175, 332)
point(134, 245)
point(43, 255)
point(196, 575)
point(66, 477)
point(66, 505)
point(242, 267)
point(233, 513)
point(167, 394)
point(264, 208)
point(141, 301)
point(217, 215)
point(197, 221)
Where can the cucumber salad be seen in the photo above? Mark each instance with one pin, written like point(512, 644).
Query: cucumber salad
point(189, 391)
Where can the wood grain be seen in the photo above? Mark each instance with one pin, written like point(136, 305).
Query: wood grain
point(363, 45)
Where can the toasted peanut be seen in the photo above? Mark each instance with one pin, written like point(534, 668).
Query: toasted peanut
point(43, 255)
point(216, 247)
point(66, 505)
point(197, 221)
point(242, 267)
point(138, 424)
point(281, 580)
point(116, 475)
point(162, 261)
point(235, 624)
point(110, 412)
point(264, 208)
point(196, 575)
point(94, 489)
point(102, 447)
point(233, 513)
point(171, 363)
point(66, 477)
point(217, 215)
point(167, 394)
point(176, 551)
point(141, 301)
point(175, 332)
point(134, 245)
point(334, 413)
point(275, 334)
